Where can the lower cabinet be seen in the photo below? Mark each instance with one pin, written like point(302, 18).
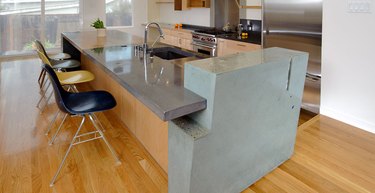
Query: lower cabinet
point(177, 38)
point(151, 131)
point(228, 47)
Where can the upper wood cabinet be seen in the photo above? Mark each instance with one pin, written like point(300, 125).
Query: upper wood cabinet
point(200, 3)
point(164, 1)
point(180, 5)
point(187, 4)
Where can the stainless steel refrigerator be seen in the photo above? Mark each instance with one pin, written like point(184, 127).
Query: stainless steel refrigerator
point(297, 24)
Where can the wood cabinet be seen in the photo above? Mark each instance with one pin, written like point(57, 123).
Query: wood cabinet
point(177, 38)
point(151, 131)
point(228, 47)
point(164, 1)
point(200, 3)
point(180, 5)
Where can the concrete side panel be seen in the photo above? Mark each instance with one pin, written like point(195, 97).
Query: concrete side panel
point(202, 83)
point(180, 155)
point(254, 127)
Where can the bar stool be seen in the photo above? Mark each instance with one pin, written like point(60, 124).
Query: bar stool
point(61, 62)
point(59, 56)
point(66, 78)
point(81, 104)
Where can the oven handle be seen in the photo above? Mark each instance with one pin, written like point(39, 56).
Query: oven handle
point(202, 34)
point(202, 45)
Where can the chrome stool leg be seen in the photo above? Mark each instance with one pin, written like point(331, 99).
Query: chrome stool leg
point(52, 122)
point(67, 152)
point(46, 104)
point(43, 95)
point(41, 90)
point(58, 129)
point(105, 140)
point(42, 78)
point(97, 121)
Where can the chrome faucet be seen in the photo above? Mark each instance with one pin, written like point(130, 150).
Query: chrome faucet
point(145, 46)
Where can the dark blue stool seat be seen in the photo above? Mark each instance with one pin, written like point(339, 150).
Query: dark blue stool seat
point(79, 103)
point(89, 102)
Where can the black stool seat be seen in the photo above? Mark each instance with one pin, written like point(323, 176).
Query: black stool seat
point(65, 64)
point(89, 102)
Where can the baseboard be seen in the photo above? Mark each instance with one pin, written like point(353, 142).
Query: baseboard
point(348, 119)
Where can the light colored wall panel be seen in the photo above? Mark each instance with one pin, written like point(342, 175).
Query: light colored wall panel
point(348, 68)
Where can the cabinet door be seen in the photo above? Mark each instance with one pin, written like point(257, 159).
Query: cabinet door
point(228, 47)
point(188, 44)
point(241, 46)
point(220, 47)
point(180, 5)
point(200, 3)
point(169, 39)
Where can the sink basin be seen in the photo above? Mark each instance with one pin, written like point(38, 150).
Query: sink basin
point(170, 53)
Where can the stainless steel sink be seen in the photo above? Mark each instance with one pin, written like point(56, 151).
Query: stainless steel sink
point(170, 53)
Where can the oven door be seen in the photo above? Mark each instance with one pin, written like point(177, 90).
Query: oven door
point(205, 49)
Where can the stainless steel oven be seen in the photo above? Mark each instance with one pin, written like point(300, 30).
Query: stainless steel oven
point(205, 42)
point(210, 50)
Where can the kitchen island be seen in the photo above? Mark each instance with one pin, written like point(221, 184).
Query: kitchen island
point(246, 127)
point(147, 95)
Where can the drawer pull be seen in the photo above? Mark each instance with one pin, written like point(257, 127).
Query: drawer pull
point(241, 45)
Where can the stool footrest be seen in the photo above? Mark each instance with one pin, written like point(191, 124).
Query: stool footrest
point(77, 139)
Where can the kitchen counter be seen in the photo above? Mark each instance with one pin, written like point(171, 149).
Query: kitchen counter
point(254, 38)
point(158, 85)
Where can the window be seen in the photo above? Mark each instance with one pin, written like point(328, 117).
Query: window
point(21, 22)
point(119, 13)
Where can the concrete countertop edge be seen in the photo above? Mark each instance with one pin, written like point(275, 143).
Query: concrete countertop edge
point(163, 115)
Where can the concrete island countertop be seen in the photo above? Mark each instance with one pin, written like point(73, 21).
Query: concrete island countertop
point(159, 84)
point(88, 39)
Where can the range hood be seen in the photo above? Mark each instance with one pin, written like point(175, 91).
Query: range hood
point(223, 12)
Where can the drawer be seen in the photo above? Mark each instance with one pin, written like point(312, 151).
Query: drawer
point(242, 46)
point(184, 35)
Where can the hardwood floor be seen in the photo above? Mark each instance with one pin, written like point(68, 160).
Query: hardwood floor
point(330, 156)
point(304, 116)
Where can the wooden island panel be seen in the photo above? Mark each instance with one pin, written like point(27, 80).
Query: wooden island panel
point(148, 128)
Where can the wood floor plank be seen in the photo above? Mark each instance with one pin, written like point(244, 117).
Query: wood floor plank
point(330, 156)
point(264, 185)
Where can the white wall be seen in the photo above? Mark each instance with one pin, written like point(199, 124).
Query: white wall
point(139, 17)
point(90, 11)
point(253, 13)
point(194, 16)
point(348, 65)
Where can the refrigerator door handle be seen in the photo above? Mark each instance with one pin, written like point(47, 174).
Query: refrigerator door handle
point(294, 32)
point(313, 77)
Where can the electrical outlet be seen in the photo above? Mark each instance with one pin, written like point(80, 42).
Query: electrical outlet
point(360, 6)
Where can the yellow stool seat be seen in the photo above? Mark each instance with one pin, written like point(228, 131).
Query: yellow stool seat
point(75, 77)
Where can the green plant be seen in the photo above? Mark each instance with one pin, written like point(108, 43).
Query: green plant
point(98, 24)
point(98, 50)
point(30, 45)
